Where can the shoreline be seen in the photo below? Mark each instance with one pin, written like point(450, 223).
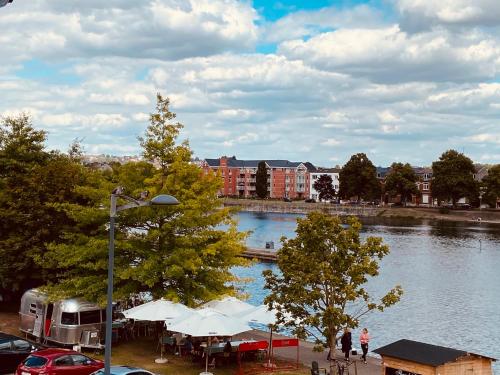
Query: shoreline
point(419, 213)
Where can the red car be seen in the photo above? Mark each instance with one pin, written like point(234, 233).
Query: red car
point(56, 361)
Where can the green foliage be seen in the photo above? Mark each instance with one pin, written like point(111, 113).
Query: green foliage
point(358, 178)
point(261, 180)
point(182, 252)
point(324, 186)
point(33, 182)
point(453, 177)
point(323, 271)
point(491, 186)
point(401, 180)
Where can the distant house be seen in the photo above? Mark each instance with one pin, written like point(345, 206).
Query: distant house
point(285, 178)
point(332, 172)
point(407, 357)
point(424, 175)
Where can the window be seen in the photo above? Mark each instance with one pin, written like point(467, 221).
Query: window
point(21, 345)
point(4, 346)
point(32, 308)
point(90, 317)
point(70, 319)
point(426, 186)
point(34, 361)
point(80, 359)
point(64, 361)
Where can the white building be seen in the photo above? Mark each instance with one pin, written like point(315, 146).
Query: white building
point(332, 172)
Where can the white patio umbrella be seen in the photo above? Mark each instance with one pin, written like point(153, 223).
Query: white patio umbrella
point(209, 323)
point(229, 305)
point(262, 315)
point(159, 310)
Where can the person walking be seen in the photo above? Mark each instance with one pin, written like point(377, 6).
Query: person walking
point(364, 338)
point(346, 342)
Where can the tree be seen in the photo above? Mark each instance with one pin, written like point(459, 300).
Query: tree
point(491, 186)
point(322, 276)
point(453, 177)
point(261, 180)
point(324, 186)
point(182, 252)
point(32, 182)
point(358, 178)
point(401, 180)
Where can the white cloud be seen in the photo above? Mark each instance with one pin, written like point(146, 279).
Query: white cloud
point(418, 14)
point(313, 22)
point(330, 142)
point(166, 29)
point(391, 55)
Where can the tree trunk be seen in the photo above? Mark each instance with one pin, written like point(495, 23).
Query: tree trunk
point(333, 354)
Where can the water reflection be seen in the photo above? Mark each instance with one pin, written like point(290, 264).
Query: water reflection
point(449, 271)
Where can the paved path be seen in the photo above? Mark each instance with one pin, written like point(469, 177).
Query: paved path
point(307, 355)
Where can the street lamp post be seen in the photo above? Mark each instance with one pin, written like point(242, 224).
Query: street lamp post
point(159, 200)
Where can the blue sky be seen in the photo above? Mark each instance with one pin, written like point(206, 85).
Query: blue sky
point(401, 80)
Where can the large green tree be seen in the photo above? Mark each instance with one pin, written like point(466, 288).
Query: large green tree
point(323, 272)
point(491, 186)
point(182, 252)
point(324, 186)
point(32, 182)
point(401, 180)
point(453, 178)
point(261, 180)
point(358, 178)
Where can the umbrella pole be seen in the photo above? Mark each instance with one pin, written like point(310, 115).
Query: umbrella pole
point(208, 351)
point(161, 359)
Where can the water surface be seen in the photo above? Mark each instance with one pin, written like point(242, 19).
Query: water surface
point(450, 273)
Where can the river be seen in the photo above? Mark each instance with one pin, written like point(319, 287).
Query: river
point(450, 273)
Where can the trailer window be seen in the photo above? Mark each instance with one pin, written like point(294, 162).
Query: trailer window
point(70, 319)
point(90, 317)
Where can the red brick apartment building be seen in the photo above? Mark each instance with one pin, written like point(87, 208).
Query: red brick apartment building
point(284, 178)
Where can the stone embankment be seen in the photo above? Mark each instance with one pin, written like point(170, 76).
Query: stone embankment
point(301, 207)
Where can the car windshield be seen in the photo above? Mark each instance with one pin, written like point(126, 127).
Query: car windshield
point(34, 361)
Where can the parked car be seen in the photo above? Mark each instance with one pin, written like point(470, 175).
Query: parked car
point(286, 199)
point(57, 361)
point(13, 350)
point(124, 370)
point(310, 200)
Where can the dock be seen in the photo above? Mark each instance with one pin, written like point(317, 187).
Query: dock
point(262, 255)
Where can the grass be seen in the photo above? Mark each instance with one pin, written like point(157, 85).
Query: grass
point(142, 353)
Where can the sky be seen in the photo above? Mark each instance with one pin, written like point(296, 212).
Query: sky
point(318, 81)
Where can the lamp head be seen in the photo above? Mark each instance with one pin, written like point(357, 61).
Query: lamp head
point(164, 200)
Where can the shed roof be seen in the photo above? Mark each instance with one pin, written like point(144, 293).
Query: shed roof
point(423, 353)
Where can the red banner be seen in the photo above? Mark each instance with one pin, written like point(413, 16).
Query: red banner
point(252, 346)
point(285, 343)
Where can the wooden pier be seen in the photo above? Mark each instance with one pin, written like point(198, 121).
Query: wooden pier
point(262, 255)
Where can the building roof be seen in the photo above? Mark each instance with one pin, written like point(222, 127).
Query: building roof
point(235, 163)
point(327, 170)
point(420, 352)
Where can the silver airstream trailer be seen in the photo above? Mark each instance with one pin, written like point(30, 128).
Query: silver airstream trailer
point(65, 322)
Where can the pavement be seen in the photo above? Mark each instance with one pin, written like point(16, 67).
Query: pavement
point(307, 355)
